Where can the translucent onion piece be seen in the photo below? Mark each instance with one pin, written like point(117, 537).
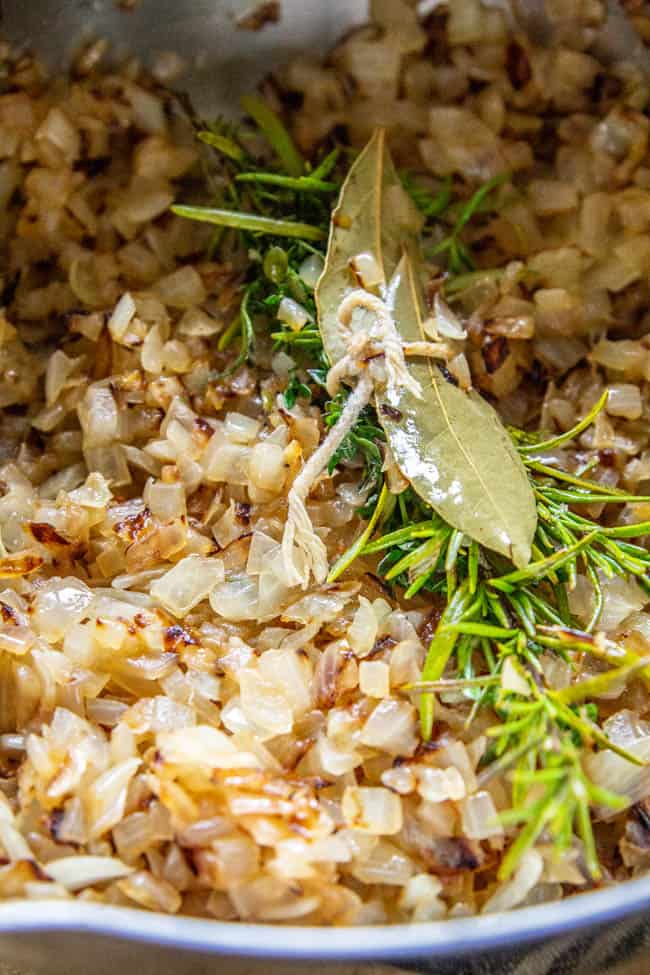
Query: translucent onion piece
point(76, 872)
point(187, 584)
point(515, 890)
point(611, 771)
point(202, 746)
point(372, 810)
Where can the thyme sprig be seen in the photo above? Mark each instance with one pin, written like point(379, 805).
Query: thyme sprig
point(453, 247)
point(363, 443)
point(276, 272)
point(252, 194)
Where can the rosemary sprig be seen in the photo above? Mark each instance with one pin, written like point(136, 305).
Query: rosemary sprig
point(244, 326)
point(535, 443)
point(540, 738)
point(276, 273)
point(228, 147)
point(353, 552)
point(301, 184)
point(518, 614)
point(494, 613)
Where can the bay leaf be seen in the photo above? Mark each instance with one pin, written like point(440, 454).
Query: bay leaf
point(374, 217)
point(452, 446)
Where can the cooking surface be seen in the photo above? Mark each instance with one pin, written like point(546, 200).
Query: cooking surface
point(223, 61)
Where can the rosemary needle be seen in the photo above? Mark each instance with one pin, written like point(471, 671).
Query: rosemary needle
point(254, 223)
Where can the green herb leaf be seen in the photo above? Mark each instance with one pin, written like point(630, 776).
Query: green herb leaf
point(538, 444)
point(300, 184)
point(250, 221)
point(243, 325)
point(459, 257)
point(222, 144)
point(600, 684)
point(356, 548)
point(275, 132)
point(295, 389)
point(439, 652)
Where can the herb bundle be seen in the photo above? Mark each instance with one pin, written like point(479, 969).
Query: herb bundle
point(503, 563)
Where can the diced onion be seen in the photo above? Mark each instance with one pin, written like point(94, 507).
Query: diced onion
point(76, 872)
point(59, 604)
point(182, 288)
point(120, 320)
point(438, 785)
point(362, 632)
point(311, 269)
point(94, 493)
point(624, 400)
point(292, 674)
point(263, 703)
point(526, 876)
point(421, 896)
point(165, 501)
point(197, 322)
point(99, 417)
point(613, 772)
point(187, 584)
point(237, 598)
point(391, 728)
point(59, 368)
point(240, 428)
point(293, 314)
point(384, 863)
point(202, 746)
point(267, 469)
point(622, 597)
point(372, 810)
point(374, 678)
point(512, 679)
point(479, 818)
point(447, 323)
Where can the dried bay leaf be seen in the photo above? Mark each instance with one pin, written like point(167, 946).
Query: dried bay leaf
point(453, 448)
point(373, 219)
point(450, 445)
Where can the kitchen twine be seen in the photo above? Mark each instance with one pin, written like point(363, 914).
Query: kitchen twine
point(376, 356)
